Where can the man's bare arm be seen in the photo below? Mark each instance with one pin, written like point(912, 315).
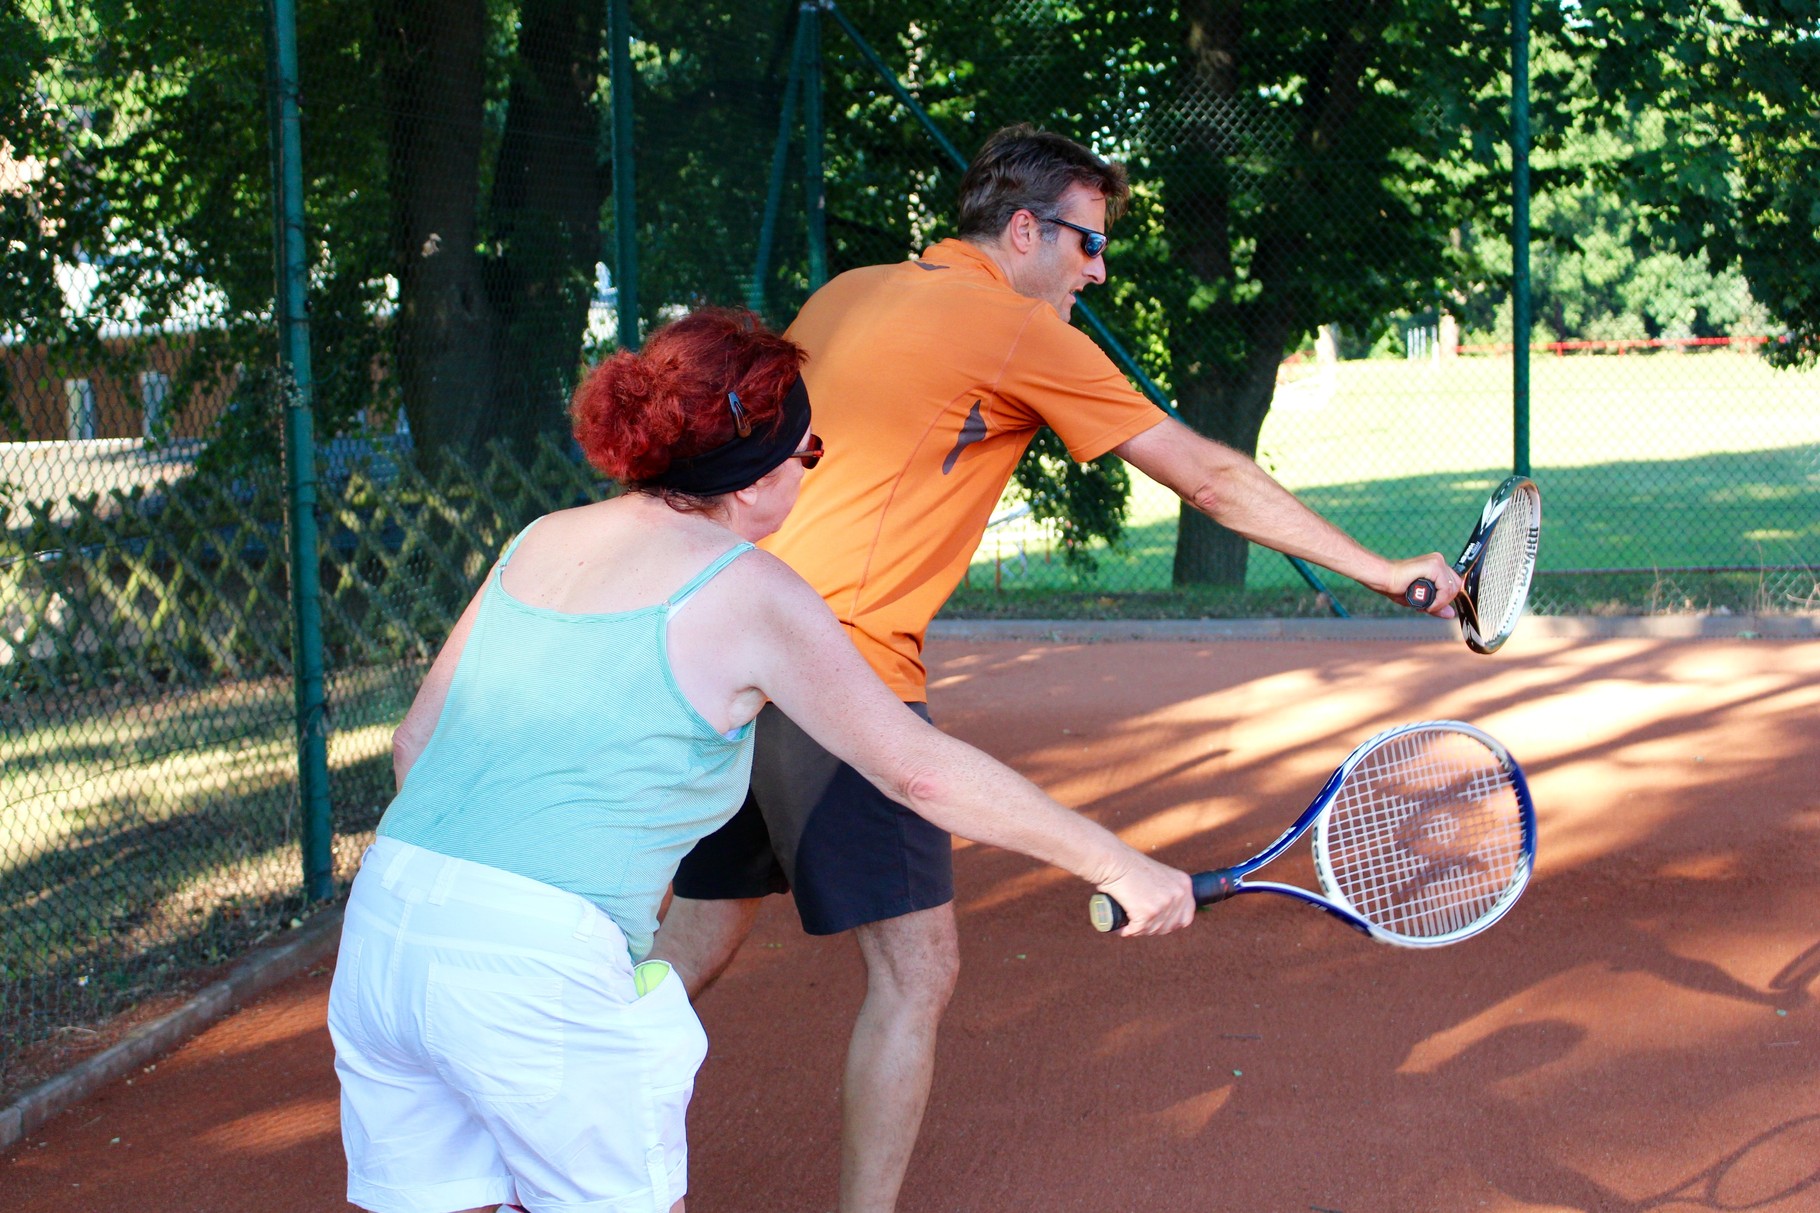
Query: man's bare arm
point(1230, 488)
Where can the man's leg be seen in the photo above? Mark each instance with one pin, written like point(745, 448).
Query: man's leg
point(699, 938)
point(911, 965)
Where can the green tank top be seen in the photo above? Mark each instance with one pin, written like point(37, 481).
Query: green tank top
point(566, 753)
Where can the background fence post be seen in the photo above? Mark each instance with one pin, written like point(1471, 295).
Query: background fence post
point(625, 211)
point(774, 192)
point(299, 449)
point(1520, 320)
point(815, 191)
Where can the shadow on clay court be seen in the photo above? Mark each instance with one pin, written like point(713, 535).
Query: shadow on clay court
point(1640, 1034)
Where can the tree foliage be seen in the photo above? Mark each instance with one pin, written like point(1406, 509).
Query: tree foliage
point(1731, 177)
point(1296, 164)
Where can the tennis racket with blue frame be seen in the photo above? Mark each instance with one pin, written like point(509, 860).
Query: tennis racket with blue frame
point(1424, 836)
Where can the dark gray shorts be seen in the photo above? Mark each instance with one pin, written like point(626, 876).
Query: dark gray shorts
point(814, 826)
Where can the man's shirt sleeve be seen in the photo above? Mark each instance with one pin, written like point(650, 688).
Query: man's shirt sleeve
point(1069, 384)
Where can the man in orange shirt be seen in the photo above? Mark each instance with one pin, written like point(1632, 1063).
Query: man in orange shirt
point(928, 379)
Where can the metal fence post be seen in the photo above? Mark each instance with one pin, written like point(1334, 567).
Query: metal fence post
point(299, 449)
point(815, 191)
point(1520, 318)
point(625, 213)
point(774, 192)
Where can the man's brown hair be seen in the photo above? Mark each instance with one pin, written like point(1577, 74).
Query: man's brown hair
point(1023, 168)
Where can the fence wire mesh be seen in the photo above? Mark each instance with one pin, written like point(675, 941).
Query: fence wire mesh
point(1317, 265)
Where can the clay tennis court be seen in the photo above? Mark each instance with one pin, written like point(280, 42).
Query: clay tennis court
point(1639, 1034)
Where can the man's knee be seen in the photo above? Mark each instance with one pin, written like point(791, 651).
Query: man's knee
point(913, 959)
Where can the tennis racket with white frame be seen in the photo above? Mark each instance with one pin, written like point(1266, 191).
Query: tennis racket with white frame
point(1495, 567)
point(1424, 836)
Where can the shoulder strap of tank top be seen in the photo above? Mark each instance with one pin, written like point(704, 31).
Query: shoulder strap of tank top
point(506, 557)
point(674, 602)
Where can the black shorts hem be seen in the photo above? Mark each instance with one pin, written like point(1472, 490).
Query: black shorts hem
point(865, 918)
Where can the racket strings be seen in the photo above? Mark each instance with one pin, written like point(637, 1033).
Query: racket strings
point(1425, 835)
point(1506, 565)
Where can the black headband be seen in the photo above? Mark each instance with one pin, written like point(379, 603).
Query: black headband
point(741, 461)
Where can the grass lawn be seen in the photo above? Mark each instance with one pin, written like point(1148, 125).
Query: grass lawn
point(146, 834)
point(1652, 462)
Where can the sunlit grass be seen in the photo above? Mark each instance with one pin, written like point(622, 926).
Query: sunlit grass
point(1646, 462)
point(142, 837)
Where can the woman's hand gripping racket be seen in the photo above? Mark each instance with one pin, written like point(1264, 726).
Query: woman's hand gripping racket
point(1424, 836)
point(1495, 567)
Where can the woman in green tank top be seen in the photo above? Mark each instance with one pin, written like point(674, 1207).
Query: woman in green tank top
point(589, 719)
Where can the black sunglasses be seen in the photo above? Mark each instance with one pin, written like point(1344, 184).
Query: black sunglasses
point(1092, 243)
point(812, 455)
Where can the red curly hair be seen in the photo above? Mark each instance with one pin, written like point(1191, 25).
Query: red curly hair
point(636, 412)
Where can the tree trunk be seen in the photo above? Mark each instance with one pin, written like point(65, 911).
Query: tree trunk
point(434, 73)
point(1226, 351)
point(547, 195)
point(1228, 404)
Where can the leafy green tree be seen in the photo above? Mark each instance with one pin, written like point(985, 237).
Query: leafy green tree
point(147, 124)
point(454, 184)
point(1731, 180)
point(1304, 163)
point(1312, 166)
point(1595, 277)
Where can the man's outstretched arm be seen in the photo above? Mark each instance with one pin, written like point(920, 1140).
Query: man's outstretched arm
point(1230, 488)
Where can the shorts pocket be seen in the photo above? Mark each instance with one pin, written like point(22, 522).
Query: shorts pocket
point(675, 1043)
point(495, 1036)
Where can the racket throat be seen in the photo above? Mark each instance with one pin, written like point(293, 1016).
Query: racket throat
point(1216, 886)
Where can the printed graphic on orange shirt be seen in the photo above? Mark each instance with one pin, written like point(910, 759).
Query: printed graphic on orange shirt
point(972, 430)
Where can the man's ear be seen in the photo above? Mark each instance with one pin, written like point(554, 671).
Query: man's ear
point(1022, 231)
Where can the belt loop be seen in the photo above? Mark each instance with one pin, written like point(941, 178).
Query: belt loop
point(445, 880)
point(395, 869)
point(584, 928)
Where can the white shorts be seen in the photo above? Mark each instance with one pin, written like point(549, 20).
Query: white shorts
point(491, 1047)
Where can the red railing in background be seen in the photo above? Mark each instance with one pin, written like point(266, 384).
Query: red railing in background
point(1620, 345)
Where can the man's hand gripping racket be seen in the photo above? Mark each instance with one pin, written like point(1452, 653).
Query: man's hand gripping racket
point(1495, 567)
point(1424, 836)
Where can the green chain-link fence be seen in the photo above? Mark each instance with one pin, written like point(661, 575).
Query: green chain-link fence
point(1318, 265)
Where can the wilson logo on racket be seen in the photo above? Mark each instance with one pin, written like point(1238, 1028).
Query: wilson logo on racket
point(1424, 836)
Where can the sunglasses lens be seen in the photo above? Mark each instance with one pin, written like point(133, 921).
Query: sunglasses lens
point(1093, 245)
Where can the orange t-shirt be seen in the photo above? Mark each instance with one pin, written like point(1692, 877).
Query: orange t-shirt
point(927, 379)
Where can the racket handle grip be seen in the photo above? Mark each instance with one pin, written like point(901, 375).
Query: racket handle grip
point(1108, 915)
point(1420, 594)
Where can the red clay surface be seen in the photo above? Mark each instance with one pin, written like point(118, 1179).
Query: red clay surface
point(1640, 1034)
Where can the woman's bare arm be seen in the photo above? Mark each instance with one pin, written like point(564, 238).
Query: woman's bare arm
point(802, 660)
